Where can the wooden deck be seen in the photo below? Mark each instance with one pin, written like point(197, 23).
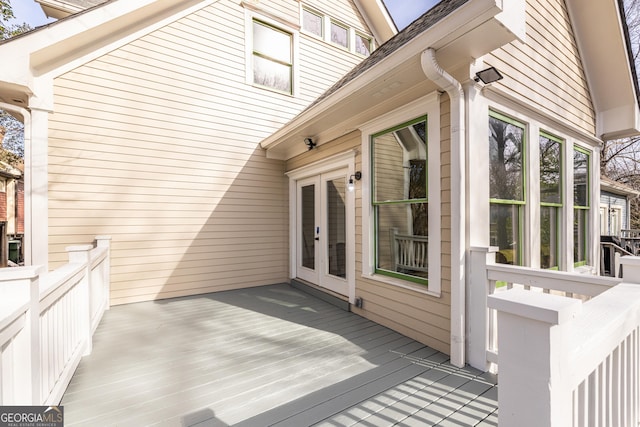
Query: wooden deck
point(267, 356)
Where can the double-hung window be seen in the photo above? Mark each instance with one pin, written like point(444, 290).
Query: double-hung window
point(581, 205)
point(507, 187)
point(272, 57)
point(550, 200)
point(400, 201)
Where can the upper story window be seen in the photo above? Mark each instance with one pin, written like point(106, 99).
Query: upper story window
point(272, 57)
point(400, 201)
point(507, 187)
point(550, 200)
point(581, 204)
point(335, 32)
point(312, 22)
point(363, 44)
point(339, 34)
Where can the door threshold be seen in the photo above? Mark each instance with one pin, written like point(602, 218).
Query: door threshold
point(340, 301)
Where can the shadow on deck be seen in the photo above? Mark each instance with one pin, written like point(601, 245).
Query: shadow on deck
point(263, 356)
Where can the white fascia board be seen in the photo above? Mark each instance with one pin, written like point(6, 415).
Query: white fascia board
point(61, 46)
point(462, 20)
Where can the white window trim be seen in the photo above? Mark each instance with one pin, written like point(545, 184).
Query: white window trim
point(249, 16)
point(430, 106)
point(327, 20)
point(532, 220)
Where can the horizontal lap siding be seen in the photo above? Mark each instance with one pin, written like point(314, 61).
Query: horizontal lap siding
point(547, 71)
point(156, 144)
point(424, 318)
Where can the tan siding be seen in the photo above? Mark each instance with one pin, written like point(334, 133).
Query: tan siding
point(547, 71)
point(419, 316)
point(156, 144)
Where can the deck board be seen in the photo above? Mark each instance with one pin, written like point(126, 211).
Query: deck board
point(263, 356)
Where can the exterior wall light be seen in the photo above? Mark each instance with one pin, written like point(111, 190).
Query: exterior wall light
point(489, 75)
point(309, 143)
point(357, 176)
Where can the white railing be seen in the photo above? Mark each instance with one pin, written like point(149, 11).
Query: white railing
point(46, 323)
point(568, 362)
point(487, 278)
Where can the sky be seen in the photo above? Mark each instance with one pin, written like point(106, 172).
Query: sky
point(403, 11)
point(30, 12)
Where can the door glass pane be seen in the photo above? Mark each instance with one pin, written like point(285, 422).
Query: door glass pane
point(336, 233)
point(308, 225)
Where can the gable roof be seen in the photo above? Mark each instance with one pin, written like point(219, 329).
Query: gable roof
point(450, 29)
point(615, 187)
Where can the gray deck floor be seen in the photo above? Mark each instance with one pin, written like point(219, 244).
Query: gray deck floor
point(267, 356)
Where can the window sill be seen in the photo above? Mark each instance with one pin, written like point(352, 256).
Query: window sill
point(421, 289)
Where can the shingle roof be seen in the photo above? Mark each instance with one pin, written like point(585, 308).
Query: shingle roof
point(420, 25)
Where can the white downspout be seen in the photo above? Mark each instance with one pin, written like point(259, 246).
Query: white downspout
point(454, 89)
point(28, 221)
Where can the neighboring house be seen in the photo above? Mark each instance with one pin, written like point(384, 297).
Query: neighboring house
point(11, 212)
point(156, 123)
point(615, 206)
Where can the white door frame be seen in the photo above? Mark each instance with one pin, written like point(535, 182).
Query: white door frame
point(340, 161)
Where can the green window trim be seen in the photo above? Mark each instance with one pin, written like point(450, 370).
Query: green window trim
point(377, 204)
point(508, 254)
point(583, 208)
point(559, 206)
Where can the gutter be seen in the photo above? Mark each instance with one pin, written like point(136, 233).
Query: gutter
point(454, 89)
point(28, 180)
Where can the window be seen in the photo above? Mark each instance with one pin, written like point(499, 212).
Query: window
point(550, 200)
point(400, 201)
point(581, 200)
point(363, 45)
point(339, 34)
point(506, 184)
point(272, 57)
point(312, 22)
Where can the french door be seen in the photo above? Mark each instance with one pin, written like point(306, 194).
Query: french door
point(321, 230)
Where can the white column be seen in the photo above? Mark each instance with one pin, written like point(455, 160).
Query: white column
point(533, 331)
point(477, 311)
point(36, 190)
point(630, 269)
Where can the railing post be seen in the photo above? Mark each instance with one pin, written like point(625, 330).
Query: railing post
point(477, 311)
point(79, 254)
point(105, 242)
point(630, 269)
point(22, 285)
point(534, 328)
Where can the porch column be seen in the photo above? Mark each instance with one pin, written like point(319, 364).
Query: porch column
point(477, 224)
point(37, 189)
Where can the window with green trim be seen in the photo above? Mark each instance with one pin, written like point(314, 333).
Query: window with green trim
point(400, 201)
point(272, 57)
point(581, 205)
point(507, 187)
point(550, 200)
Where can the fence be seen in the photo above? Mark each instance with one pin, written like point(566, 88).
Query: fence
point(46, 323)
point(568, 361)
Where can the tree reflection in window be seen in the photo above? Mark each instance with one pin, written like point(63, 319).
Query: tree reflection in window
point(506, 186)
